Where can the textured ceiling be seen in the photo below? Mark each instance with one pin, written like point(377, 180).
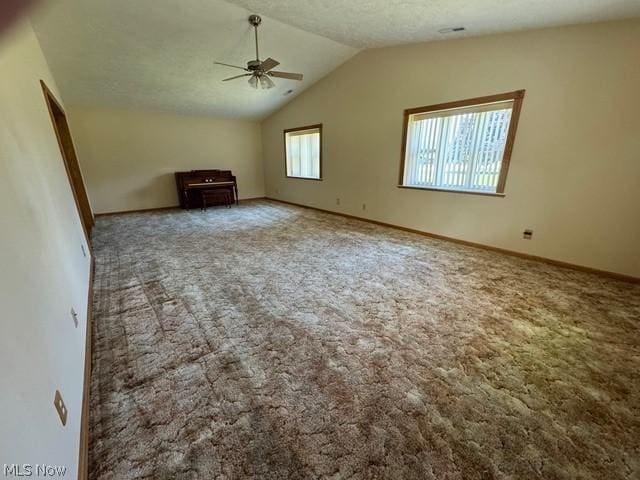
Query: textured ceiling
point(377, 23)
point(158, 55)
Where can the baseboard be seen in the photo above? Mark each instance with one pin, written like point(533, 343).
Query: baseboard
point(83, 458)
point(252, 199)
point(142, 210)
point(160, 209)
point(513, 253)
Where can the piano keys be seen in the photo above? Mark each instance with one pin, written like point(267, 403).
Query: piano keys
point(191, 184)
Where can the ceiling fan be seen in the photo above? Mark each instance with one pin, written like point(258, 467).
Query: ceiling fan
point(259, 72)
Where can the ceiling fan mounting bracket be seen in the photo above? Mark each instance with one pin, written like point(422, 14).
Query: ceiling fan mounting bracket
point(255, 20)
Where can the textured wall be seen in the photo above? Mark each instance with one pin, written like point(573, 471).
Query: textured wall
point(129, 158)
point(575, 170)
point(43, 273)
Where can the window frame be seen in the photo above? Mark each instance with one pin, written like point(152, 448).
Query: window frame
point(515, 96)
point(298, 129)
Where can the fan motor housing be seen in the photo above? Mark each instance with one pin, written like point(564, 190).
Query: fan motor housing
point(253, 65)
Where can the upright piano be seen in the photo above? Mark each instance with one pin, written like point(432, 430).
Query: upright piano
point(191, 184)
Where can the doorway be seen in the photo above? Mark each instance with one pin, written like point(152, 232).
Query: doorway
point(68, 151)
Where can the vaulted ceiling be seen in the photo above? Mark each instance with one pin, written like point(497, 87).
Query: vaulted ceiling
point(159, 54)
point(380, 23)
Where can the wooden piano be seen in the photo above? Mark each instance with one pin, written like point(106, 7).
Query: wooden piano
point(192, 184)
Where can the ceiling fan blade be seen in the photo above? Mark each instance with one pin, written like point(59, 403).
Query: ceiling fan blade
point(268, 64)
point(290, 76)
point(238, 76)
point(232, 66)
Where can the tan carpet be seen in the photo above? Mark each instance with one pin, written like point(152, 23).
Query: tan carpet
point(267, 341)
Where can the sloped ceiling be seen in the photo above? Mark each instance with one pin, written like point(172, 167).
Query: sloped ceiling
point(158, 55)
point(379, 23)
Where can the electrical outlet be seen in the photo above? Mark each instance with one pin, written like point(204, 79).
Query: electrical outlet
point(527, 234)
point(364, 206)
point(74, 316)
point(337, 201)
point(61, 408)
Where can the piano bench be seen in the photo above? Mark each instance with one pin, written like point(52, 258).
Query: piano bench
point(218, 196)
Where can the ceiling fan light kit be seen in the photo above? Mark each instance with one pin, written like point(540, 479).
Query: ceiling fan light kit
point(259, 72)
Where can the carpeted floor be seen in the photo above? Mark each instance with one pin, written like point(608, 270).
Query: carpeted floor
point(267, 341)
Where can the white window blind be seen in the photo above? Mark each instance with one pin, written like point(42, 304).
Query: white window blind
point(303, 153)
point(457, 149)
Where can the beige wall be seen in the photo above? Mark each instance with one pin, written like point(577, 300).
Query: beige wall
point(129, 158)
point(575, 170)
point(43, 273)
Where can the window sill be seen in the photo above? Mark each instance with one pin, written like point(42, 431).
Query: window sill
point(436, 189)
point(304, 178)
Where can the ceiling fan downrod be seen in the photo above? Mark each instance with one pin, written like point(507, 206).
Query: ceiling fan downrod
point(255, 20)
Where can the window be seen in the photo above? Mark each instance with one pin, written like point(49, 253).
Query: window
point(461, 146)
point(303, 152)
